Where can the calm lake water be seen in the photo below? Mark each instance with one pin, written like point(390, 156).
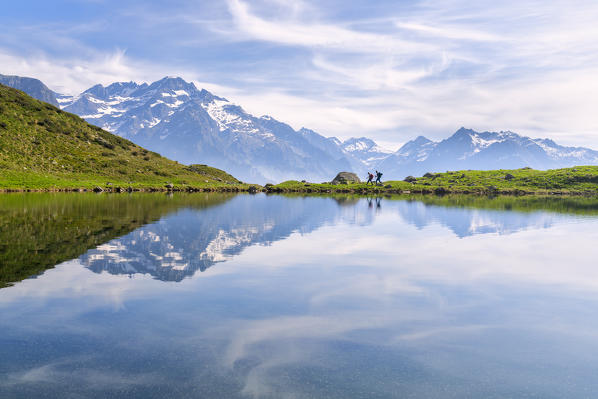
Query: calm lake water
point(216, 296)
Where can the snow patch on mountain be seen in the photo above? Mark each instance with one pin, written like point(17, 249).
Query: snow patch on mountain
point(468, 149)
point(216, 109)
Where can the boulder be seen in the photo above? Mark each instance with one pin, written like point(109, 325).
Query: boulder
point(509, 176)
point(169, 186)
point(98, 189)
point(410, 179)
point(346, 177)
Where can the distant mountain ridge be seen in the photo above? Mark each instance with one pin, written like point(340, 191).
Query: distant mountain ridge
point(34, 87)
point(176, 119)
point(365, 150)
point(468, 149)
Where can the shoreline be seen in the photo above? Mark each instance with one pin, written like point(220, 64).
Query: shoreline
point(581, 181)
point(119, 190)
point(437, 191)
point(310, 190)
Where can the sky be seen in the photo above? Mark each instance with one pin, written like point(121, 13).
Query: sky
point(388, 70)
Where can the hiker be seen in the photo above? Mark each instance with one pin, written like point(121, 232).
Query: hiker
point(370, 177)
point(378, 177)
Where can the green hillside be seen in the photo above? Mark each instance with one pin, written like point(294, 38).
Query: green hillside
point(43, 147)
point(580, 180)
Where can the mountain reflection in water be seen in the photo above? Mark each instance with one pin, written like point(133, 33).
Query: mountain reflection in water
point(189, 240)
point(171, 237)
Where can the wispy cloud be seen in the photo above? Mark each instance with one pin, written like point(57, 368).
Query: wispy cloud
point(449, 32)
point(388, 70)
point(298, 32)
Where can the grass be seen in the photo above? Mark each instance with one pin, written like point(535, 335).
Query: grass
point(580, 180)
point(45, 148)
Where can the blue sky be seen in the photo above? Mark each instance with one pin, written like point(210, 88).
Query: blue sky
point(390, 70)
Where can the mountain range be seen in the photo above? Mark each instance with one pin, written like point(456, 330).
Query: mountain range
point(190, 125)
point(181, 122)
point(468, 149)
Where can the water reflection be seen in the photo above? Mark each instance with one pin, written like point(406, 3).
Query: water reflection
point(466, 222)
point(318, 298)
point(191, 240)
point(172, 237)
point(38, 231)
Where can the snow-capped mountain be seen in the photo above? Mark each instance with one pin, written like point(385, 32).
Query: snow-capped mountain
point(189, 125)
point(468, 149)
point(365, 150)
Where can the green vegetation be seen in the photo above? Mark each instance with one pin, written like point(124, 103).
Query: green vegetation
point(42, 147)
point(580, 180)
point(41, 230)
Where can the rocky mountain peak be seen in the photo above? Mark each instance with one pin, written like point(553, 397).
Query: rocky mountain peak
point(174, 83)
point(358, 144)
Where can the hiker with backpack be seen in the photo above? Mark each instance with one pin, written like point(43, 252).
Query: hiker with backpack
point(378, 177)
point(370, 178)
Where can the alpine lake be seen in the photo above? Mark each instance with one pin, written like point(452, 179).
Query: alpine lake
point(213, 295)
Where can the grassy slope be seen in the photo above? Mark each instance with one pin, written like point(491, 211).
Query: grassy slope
point(577, 180)
point(43, 147)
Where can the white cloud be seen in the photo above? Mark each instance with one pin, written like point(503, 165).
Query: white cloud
point(297, 32)
point(526, 66)
point(71, 76)
point(449, 32)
